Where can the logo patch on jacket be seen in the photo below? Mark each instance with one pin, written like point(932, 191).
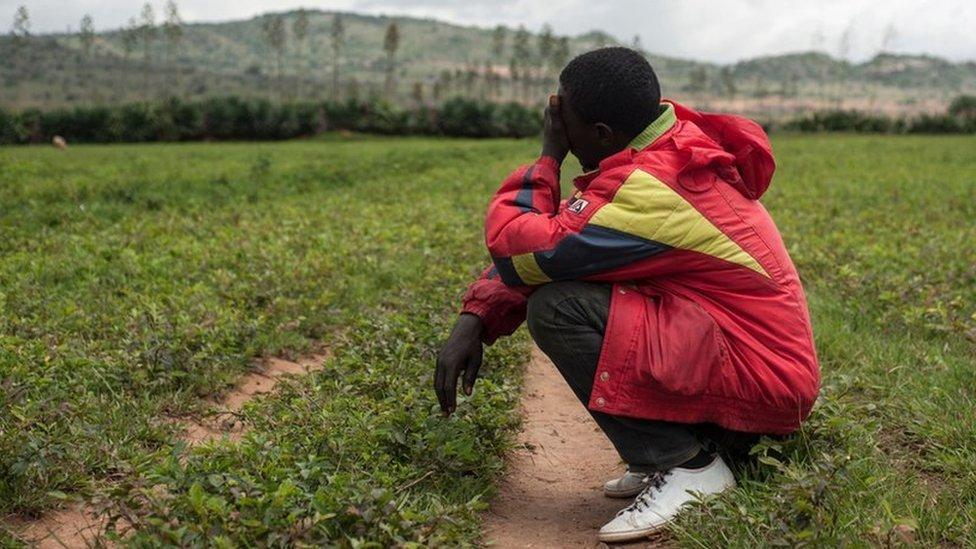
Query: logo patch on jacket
point(578, 206)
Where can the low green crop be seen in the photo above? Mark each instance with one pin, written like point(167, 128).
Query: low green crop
point(137, 280)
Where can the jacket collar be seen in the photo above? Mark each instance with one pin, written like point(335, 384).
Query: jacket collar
point(655, 129)
point(664, 122)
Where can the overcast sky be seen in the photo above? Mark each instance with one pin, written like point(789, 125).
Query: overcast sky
point(715, 30)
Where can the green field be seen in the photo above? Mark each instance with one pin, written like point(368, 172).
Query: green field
point(135, 281)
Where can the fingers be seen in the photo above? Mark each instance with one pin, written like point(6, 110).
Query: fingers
point(554, 113)
point(449, 392)
point(471, 372)
point(439, 375)
point(445, 385)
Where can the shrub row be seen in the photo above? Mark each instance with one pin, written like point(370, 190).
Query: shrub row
point(232, 118)
point(959, 118)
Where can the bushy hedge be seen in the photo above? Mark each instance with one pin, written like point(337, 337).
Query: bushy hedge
point(959, 118)
point(232, 118)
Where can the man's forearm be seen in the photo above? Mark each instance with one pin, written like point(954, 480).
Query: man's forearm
point(471, 323)
point(498, 308)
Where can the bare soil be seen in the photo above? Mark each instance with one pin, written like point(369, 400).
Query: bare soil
point(80, 525)
point(73, 526)
point(552, 495)
point(225, 421)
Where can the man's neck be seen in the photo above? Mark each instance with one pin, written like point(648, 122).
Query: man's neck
point(654, 129)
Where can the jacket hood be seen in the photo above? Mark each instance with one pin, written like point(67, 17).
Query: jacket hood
point(735, 147)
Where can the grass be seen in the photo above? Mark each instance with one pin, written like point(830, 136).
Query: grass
point(135, 280)
point(881, 230)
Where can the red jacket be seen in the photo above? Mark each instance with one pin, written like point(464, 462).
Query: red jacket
point(708, 320)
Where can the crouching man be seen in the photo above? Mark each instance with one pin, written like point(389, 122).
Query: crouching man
point(660, 289)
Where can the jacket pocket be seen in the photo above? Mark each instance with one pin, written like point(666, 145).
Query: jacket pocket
point(681, 347)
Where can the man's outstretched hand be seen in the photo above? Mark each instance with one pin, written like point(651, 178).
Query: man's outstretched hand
point(554, 140)
point(462, 352)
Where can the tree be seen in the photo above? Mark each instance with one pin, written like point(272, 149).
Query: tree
point(790, 87)
point(354, 89)
point(487, 90)
point(761, 90)
point(338, 35)
point(697, 80)
point(273, 28)
point(20, 33)
point(964, 107)
point(459, 82)
point(299, 30)
point(521, 60)
point(728, 82)
point(129, 36)
point(513, 75)
point(391, 43)
point(418, 94)
point(147, 32)
point(846, 42)
point(602, 40)
point(173, 31)
point(889, 37)
point(21, 28)
point(844, 46)
point(437, 91)
point(636, 44)
point(498, 53)
point(86, 35)
point(498, 42)
point(470, 77)
point(445, 80)
point(560, 54)
point(546, 44)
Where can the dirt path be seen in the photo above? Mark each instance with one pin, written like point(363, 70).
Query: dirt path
point(260, 381)
point(552, 495)
point(73, 526)
point(79, 525)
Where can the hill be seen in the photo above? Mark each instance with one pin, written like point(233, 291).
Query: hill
point(437, 59)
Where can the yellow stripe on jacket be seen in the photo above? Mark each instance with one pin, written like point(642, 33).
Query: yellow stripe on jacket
point(528, 269)
point(646, 207)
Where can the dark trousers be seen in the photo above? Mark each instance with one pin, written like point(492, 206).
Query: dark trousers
point(567, 320)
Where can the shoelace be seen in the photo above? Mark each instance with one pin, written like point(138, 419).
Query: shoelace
point(654, 483)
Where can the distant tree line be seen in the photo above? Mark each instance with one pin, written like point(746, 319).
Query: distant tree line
point(960, 117)
point(514, 69)
point(517, 68)
point(234, 118)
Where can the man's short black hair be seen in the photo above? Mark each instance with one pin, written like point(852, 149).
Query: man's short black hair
point(616, 86)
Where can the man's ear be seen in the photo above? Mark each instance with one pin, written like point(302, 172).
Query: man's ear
point(604, 134)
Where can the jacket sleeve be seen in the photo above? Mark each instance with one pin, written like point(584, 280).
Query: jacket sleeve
point(532, 240)
point(500, 308)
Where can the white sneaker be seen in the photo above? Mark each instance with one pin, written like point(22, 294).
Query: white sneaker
point(662, 498)
point(626, 486)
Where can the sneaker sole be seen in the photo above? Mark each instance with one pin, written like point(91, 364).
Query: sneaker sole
point(630, 535)
point(621, 495)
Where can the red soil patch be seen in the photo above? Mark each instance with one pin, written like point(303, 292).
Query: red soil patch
point(224, 423)
point(74, 526)
point(80, 525)
point(552, 495)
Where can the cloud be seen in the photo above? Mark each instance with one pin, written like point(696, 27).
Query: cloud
point(723, 31)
